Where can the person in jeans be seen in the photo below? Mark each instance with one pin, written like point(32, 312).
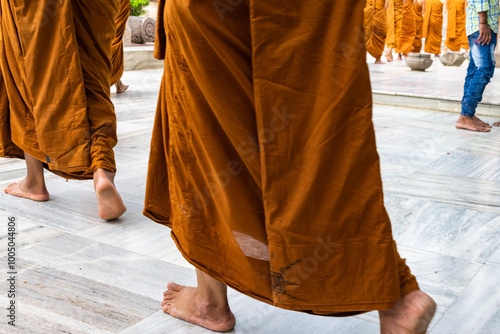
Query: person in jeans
point(482, 29)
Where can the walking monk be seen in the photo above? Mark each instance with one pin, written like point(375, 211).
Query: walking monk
point(263, 164)
point(117, 47)
point(408, 29)
point(419, 21)
point(375, 28)
point(55, 59)
point(394, 10)
point(433, 26)
point(456, 37)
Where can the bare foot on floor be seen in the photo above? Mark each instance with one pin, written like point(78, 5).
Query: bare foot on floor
point(22, 189)
point(109, 200)
point(120, 87)
point(399, 56)
point(477, 120)
point(378, 61)
point(185, 303)
point(412, 314)
point(389, 57)
point(469, 123)
point(496, 123)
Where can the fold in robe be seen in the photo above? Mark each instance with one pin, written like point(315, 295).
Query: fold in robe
point(405, 42)
point(394, 22)
point(375, 27)
point(263, 158)
point(456, 37)
point(117, 44)
point(55, 59)
point(419, 21)
point(433, 25)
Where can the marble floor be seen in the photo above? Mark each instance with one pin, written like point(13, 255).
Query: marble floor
point(438, 81)
point(78, 274)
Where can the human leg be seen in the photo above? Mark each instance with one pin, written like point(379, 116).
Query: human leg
point(33, 185)
point(205, 305)
point(479, 73)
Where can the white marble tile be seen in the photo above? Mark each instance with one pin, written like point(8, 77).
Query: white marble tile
point(464, 192)
point(444, 229)
point(477, 310)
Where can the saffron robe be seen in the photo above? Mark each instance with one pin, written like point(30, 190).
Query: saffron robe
point(419, 21)
point(117, 44)
point(456, 37)
point(405, 42)
point(433, 26)
point(55, 59)
point(375, 27)
point(263, 159)
point(394, 22)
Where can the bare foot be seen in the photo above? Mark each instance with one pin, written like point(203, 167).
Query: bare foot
point(399, 56)
point(405, 55)
point(437, 55)
point(411, 314)
point(108, 200)
point(477, 120)
point(468, 123)
point(496, 123)
point(378, 61)
point(389, 57)
point(25, 190)
point(187, 304)
point(120, 87)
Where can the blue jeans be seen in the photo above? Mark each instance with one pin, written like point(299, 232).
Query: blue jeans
point(480, 71)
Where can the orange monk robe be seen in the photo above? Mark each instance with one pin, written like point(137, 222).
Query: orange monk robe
point(375, 27)
point(253, 118)
point(394, 22)
point(419, 21)
point(405, 42)
point(433, 26)
point(456, 37)
point(56, 66)
point(117, 44)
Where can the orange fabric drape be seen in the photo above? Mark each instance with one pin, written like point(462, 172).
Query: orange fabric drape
point(394, 22)
point(375, 27)
point(419, 21)
point(56, 67)
point(433, 25)
point(258, 106)
point(117, 44)
point(405, 42)
point(456, 37)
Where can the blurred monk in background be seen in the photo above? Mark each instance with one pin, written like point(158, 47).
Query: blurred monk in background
point(408, 29)
point(433, 26)
point(263, 163)
point(117, 47)
point(419, 21)
point(456, 37)
point(55, 59)
point(394, 9)
point(375, 28)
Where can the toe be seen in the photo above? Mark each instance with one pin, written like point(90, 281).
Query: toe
point(174, 287)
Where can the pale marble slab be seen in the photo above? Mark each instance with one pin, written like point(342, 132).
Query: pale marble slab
point(81, 302)
point(464, 192)
point(477, 309)
point(444, 229)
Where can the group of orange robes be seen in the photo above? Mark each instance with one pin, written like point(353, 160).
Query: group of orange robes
point(55, 59)
point(375, 27)
point(408, 29)
point(433, 26)
point(263, 159)
point(394, 22)
point(419, 21)
point(117, 44)
point(456, 36)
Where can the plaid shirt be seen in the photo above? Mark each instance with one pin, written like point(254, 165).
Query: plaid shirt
point(476, 6)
